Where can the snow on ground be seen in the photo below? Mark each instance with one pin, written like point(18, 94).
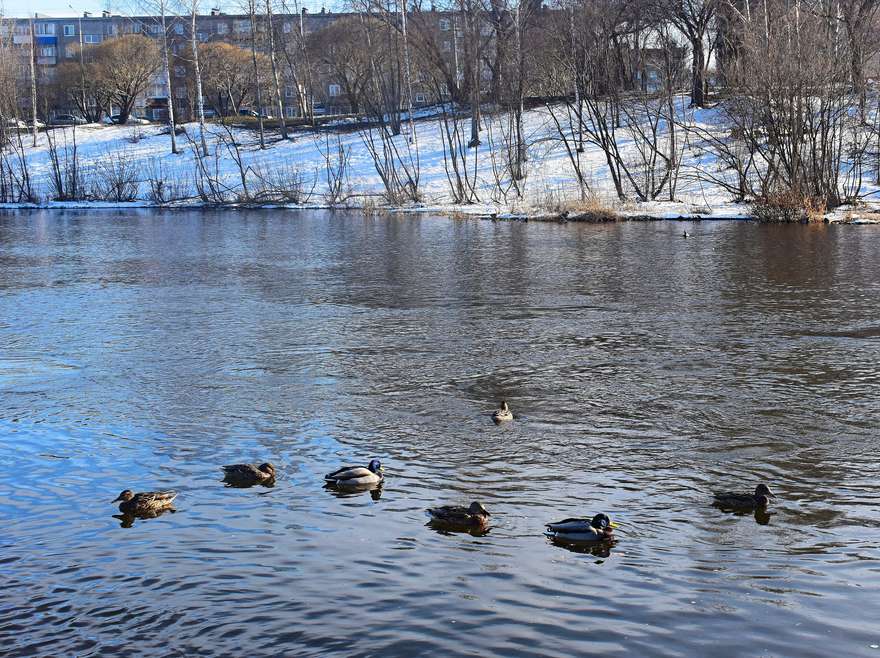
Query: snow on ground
point(549, 184)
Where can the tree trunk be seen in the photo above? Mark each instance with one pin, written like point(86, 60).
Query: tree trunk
point(278, 102)
point(698, 77)
point(200, 99)
point(168, 80)
point(258, 93)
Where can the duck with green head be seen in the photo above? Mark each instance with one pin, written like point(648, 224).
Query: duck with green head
point(744, 502)
point(357, 476)
point(599, 528)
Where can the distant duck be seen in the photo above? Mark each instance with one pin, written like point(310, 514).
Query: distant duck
point(475, 516)
point(745, 502)
point(147, 503)
point(685, 235)
point(356, 476)
point(599, 528)
point(249, 474)
point(503, 414)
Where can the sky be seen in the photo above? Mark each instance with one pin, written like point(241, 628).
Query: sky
point(20, 8)
point(51, 7)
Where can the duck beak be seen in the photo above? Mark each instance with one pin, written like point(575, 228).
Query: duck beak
point(381, 469)
point(770, 494)
point(117, 499)
point(614, 525)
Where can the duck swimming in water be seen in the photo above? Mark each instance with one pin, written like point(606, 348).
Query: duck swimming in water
point(473, 517)
point(245, 475)
point(357, 476)
point(745, 502)
point(503, 414)
point(599, 528)
point(147, 503)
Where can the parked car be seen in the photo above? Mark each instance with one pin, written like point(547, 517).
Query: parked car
point(40, 124)
point(132, 120)
point(210, 112)
point(68, 120)
point(15, 123)
point(256, 115)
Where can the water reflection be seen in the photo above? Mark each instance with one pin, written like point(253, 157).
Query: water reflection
point(600, 549)
point(127, 519)
point(646, 371)
point(353, 491)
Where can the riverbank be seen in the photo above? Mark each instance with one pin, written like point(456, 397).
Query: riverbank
point(97, 166)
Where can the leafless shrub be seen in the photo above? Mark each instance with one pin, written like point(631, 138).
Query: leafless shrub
point(336, 159)
point(135, 135)
point(164, 188)
point(282, 184)
point(397, 168)
point(15, 178)
point(461, 175)
point(115, 178)
point(66, 182)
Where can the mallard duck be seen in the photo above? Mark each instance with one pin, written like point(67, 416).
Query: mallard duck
point(357, 476)
point(744, 501)
point(249, 474)
point(685, 234)
point(599, 528)
point(146, 503)
point(502, 414)
point(474, 516)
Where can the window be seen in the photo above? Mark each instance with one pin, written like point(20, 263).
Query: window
point(47, 51)
point(447, 46)
point(202, 36)
point(91, 38)
point(69, 30)
point(70, 50)
point(155, 28)
point(178, 28)
point(241, 26)
point(180, 92)
point(334, 90)
point(45, 29)
point(421, 98)
point(445, 25)
point(222, 28)
point(290, 111)
point(180, 71)
point(286, 28)
point(289, 92)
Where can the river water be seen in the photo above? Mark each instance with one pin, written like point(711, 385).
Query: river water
point(143, 350)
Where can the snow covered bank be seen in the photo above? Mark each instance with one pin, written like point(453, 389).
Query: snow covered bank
point(323, 169)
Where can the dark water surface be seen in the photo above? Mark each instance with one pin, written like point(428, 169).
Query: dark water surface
point(144, 350)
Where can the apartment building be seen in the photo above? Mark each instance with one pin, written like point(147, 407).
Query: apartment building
point(57, 40)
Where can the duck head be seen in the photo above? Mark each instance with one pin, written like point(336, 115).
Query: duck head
point(504, 406)
point(763, 494)
point(603, 523)
point(376, 466)
point(124, 496)
point(477, 509)
point(268, 469)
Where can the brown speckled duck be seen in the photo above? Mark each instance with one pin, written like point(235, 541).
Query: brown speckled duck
point(147, 503)
point(475, 516)
point(245, 475)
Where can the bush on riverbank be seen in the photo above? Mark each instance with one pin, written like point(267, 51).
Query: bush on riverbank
point(787, 207)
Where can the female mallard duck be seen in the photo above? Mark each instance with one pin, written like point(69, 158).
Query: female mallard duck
point(357, 476)
point(147, 503)
point(502, 414)
point(476, 516)
point(599, 528)
point(744, 501)
point(248, 474)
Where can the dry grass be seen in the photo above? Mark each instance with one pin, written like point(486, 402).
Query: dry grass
point(789, 206)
